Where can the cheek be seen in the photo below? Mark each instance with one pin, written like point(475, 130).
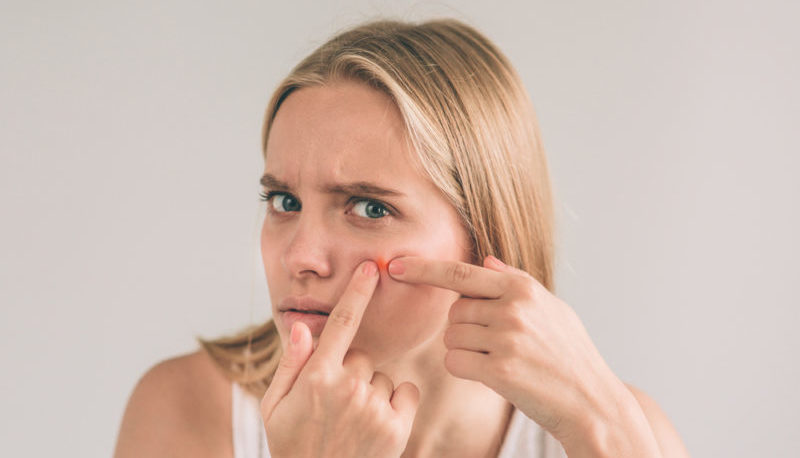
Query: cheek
point(268, 255)
point(275, 276)
point(399, 307)
point(264, 243)
point(411, 310)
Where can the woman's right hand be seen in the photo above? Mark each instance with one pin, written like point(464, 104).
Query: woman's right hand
point(330, 401)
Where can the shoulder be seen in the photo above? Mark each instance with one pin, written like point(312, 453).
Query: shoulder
point(179, 407)
point(669, 441)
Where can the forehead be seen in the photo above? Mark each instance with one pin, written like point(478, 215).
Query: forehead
point(343, 132)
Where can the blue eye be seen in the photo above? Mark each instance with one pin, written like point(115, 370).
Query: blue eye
point(371, 209)
point(280, 201)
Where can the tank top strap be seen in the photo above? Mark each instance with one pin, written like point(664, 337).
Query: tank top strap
point(525, 438)
point(249, 437)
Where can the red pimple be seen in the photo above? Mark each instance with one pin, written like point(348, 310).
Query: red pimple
point(382, 264)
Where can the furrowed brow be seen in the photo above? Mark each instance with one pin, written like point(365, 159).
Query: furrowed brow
point(269, 181)
point(361, 187)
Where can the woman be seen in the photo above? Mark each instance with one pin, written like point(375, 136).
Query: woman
point(403, 162)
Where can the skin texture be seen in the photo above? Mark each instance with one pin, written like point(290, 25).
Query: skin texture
point(407, 349)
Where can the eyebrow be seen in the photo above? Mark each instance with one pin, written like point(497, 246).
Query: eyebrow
point(269, 181)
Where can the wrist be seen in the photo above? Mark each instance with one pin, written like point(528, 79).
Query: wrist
point(617, 427)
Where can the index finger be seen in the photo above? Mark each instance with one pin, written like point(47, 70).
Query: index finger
point(345, 318)
point(467, 279)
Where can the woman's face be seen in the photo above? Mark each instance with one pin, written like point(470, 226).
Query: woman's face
point(320, 224)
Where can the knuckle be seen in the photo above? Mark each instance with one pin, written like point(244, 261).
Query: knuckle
point(356, 359)
point(504, 368)
point(513, 344)
point(522, 284)
point(533, 290)
point(344, 316)
point(356, 388)
point(515, 316)
point(354, 356)
point(286, 363)
point(459, 273)
point(375, 403)
point(319, 379)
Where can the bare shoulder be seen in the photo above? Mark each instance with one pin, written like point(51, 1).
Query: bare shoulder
point(180, 407)
point(669, 441)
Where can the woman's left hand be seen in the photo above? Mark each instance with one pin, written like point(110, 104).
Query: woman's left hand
point(510, 333)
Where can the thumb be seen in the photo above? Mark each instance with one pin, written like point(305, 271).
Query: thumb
point(291, 363)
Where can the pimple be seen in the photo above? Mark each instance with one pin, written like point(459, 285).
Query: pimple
point(382, 264)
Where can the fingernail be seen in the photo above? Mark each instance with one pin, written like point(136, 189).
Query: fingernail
point(396, 267)
point(369, 269)
point(294, 335)
point(496, 261)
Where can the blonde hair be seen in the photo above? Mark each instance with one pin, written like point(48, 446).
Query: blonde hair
point(475, 135)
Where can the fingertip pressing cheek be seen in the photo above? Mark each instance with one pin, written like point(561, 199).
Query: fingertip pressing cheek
point(383, 262)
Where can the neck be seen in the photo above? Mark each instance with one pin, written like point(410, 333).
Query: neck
point(455, 417)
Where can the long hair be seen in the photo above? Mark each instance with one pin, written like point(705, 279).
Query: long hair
point(473, 132)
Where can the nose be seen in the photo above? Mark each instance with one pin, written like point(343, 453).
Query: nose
point(308, 251)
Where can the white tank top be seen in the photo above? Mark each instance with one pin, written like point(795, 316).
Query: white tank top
point(524, 437)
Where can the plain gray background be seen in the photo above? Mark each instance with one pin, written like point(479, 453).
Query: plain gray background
point(130, 161)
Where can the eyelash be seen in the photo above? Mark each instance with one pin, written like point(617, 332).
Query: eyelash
point(266, 197)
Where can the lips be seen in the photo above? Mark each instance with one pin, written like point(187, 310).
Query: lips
point(307, 310)
point(304, 304)
point(311, 312)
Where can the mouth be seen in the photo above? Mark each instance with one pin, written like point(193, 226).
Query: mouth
point(305, 305)
point(314, 319)
point(309, 312)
